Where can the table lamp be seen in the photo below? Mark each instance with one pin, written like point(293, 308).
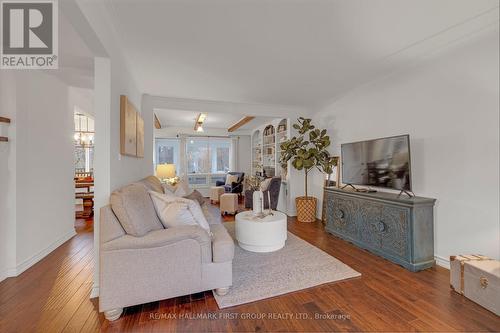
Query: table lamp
point(166, 172)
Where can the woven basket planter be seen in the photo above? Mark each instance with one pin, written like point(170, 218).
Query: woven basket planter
point(306, 209)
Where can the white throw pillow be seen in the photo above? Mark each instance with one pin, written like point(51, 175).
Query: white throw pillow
point(231, 179)
point(264, 185)
point(172, 213)
point(162, 203)
point(182, 188)
point(169, 189)
point(195, 208)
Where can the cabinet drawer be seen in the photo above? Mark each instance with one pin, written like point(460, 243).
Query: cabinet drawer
point(341, 215)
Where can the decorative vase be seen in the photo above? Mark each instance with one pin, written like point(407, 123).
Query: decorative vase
point(306, 209)
point(258, 198)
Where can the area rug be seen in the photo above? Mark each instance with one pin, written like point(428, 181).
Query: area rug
point(299, 265)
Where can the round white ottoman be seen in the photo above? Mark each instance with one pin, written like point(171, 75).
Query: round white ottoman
point(261, 235)
point(228, 203)
point(215, 193)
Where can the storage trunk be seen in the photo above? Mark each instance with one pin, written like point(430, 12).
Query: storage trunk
point(477, 278)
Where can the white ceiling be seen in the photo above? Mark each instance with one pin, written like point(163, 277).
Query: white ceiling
point(186, 119)
point(296, 52)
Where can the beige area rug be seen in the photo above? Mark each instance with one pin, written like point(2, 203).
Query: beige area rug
point(299, 265)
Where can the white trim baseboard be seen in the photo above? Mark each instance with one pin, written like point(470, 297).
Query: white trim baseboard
point(94, 293)
point(442, 261)
point(23, 266)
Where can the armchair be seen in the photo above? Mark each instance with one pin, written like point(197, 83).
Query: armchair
point(234, 187)
point(273, 189)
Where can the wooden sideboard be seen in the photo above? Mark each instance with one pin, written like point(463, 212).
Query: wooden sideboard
point(398, 228)
point(85, 190)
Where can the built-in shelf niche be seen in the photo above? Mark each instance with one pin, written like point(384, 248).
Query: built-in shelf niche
point(257, 151)
point(269, 151)
point(281, 136)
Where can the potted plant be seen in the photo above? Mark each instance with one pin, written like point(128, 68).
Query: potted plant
point(306, 151)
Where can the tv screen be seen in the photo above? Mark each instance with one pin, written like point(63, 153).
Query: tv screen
point(383, 162)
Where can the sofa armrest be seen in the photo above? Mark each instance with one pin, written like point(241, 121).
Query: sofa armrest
point(222, 244)
point(159, 238)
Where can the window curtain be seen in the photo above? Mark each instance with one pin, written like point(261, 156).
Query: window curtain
point(207, 159)
point(234, 161)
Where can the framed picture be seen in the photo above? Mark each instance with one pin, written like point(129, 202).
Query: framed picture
point(131, 129)
point(140, 136)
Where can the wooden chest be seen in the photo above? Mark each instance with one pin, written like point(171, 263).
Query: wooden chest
point(478, 278)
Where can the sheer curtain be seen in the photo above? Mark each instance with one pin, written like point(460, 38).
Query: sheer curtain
point(208, 159)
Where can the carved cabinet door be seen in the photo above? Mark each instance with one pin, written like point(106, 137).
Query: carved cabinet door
point(369, 215)
point(393, 228)
point(341, 215)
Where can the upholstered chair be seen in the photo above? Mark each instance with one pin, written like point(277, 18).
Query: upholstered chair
point(234, 187)
point(273, 190)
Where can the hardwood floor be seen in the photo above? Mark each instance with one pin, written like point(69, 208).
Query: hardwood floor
point(53, 296)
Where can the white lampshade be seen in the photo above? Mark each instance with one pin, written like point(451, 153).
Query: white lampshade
point(165, 171)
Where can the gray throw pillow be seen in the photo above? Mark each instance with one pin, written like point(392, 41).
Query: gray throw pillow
point(197, 196)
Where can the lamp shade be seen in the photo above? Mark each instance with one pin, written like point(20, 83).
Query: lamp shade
point(165, 171)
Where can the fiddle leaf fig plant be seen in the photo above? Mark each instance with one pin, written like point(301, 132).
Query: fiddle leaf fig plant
point(308, 150)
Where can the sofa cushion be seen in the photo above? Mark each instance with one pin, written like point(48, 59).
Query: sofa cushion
point(222, 244)
point(159, 238)
point(134, 209)
point(152, 183)
point(212, 216)
point(109, 228)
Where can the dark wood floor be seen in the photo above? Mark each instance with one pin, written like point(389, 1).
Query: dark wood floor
point(53, 296)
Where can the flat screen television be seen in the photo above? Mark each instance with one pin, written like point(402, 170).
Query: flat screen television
point(383, 162)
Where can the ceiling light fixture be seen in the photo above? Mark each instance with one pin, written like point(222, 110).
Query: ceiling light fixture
point(198, 125)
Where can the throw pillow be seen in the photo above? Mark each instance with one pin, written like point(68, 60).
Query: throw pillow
point(172, 213)
point(182, 188)
point(193, 207)
point(168, 188)
point(196, 196)
point(231, 179)
point(264, 185)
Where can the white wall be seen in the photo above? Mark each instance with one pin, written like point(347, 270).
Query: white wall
point(44, 167)
point(39, 191)
point(8, 176)
point(244, 156)
point(82, 100)
point(449, 104)
point(112, 78)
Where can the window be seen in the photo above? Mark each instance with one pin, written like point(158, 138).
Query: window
point(167, 151)
point(84, 143)
point(208, 160)
point(222, 164)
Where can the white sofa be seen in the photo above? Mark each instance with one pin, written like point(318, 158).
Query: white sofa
point(141, 261)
